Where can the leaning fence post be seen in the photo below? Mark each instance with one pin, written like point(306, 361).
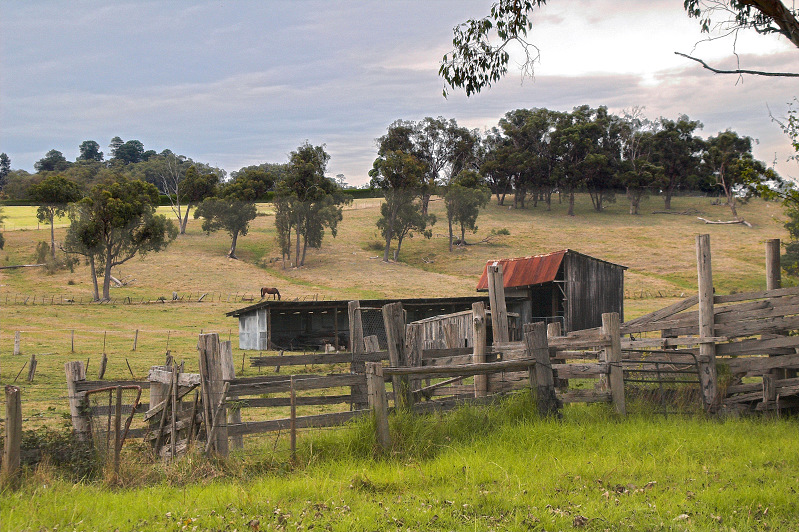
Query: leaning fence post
point(394, 321)
point(376, 386)
point(479, 346)
point(496, 297)
point(13, 436)
point(611, 327)
point(212, 388)
point(707, 351)
point(537, 346)
point(76, 372)
point(414, 344)
point(229, 373)
point(357, 348)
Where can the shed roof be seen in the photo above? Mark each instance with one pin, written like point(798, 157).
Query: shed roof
point(529, 271)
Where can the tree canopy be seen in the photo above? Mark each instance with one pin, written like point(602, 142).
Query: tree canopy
point(479, 57)
point(54, 194)
point(115, 222)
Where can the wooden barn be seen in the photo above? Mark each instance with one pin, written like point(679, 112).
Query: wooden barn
point(564, 286)
point(295, 325)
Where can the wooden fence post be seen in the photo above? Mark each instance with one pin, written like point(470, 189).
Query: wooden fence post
point(378, 403)
point(707, 351)
point(479, 346)
point(32, 368)
point(135, 339)
point(773, 268)
point(414, 344)
point(229, 373)
point(535, 339)
point(611, 327)
point(212, 388)
point(76, 372)
point(394, 321)
point(16, 343)
point(103, 365)
point(13, 436)
point(357, 347)
point(496, 298)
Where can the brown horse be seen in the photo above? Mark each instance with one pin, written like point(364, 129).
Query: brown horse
point(271, 291)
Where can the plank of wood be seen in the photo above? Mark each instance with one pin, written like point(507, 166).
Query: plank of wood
point(756, 346)
point(760, 365)
point(432, 354)
point(321, 420)
point(314, 400)
point(182, 392)
point(581, 371)
point(466, 369)
point(448, 361)
point(300, 384)
point(164, 377)
point(585, 396)
point(744, 296)
point(670, 342)
point(301, 360)
point(764, 326)
point(630, 326)
point(86, 386)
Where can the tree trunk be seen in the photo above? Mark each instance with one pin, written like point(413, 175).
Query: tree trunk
point(571, 203)
point(232, 253)
point(304, 248)
point(397, 251)
point(389, 235)
point(425, 202)
point(184, 222)
point(52, 235)
point(107, 275)
point(93, 271)
point(635, 200)
point(297, 245)
point(463, 234)
point(669, 194)
point(449, 222)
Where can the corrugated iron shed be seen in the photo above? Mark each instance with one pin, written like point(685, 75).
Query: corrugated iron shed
point(525, 271)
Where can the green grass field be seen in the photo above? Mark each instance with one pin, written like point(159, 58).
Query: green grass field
point(590, 471)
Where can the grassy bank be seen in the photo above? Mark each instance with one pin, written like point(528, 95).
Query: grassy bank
point(477, 469)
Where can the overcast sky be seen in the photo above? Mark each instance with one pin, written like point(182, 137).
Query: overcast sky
point(240, 83)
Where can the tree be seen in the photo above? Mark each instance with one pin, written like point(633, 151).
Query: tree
point(129, 152)
point(5, 168)
point(307, 202)
point(465, 195)
point(480, 58)
point(53, 194)
point(677, 151)
point(728, 158)
point(90, 151)
point(185, 186)
point(53, 161)
point(399, 175)
point(113, 224)
point(408, 219)
point(492, 156)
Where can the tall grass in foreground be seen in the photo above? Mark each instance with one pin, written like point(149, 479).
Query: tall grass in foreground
point(488, 468)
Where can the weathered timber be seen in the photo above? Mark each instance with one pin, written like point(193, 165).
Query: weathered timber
point(610, 327)
point(581, 371)
point(496, 297)
point(559, 354)
point(449, 361)
point(707, 352)
point(535, 339)
point(394, 321)
point(304, 422)
point(763, 294)
point(181, 393)
point(756, 346)
point(764, 326)
point(467, 369)
point(585, 396)
point(228, 373)
point(301, 360)
point(85, 386)
point(76, 373)
point(632, 325)
point(378, 403)
point(157, 374)
point(300, 383)
point(670, 342)
point(760, 365)
point(428, 354)
point(212, 387)
point(787, 384)
point(217, 422)
point(13, 433)
point(314, 400)
point(559, 342)
point(414, 344)
point(479, 336)
point(429, 390)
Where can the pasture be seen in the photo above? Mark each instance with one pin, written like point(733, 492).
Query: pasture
point(502, 469)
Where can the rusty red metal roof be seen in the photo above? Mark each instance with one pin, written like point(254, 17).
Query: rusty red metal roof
point(526, 271)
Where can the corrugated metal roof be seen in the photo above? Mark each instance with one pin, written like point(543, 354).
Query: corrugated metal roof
point(526, 271)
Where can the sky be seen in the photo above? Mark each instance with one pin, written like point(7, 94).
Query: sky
point(237, 83)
